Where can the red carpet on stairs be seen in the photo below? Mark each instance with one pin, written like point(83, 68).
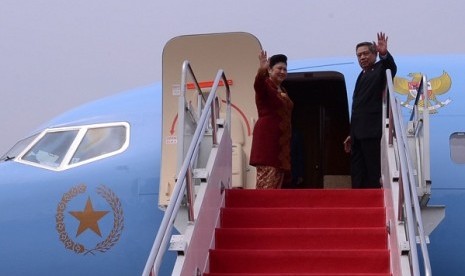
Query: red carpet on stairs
point(301, 232)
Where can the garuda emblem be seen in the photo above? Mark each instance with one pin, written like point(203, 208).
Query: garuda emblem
point(86, 217)
point(436, 86)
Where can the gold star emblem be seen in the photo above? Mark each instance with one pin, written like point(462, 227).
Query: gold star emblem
point(88, 219)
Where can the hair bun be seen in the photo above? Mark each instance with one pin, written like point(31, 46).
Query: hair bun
point(278, 58)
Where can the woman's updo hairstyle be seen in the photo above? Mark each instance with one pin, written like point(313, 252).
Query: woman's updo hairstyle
point(277, 59)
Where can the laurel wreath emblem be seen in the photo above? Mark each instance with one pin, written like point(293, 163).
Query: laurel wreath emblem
point(113, 236)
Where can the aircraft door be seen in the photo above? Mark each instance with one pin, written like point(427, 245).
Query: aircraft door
point(236, 54)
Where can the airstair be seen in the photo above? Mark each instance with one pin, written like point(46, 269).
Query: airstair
point(307, 232)
point(301, 232)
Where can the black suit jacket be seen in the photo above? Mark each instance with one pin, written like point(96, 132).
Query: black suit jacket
point(367, 99)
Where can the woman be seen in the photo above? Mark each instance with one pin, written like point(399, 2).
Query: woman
point(270, 152)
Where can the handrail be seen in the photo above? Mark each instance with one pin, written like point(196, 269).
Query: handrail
point(186, 69)
point(184, 177)
point(408, 192)
point(417, 98)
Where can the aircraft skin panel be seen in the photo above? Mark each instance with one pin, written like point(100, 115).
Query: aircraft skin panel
point(447, 239)
point(38, 227)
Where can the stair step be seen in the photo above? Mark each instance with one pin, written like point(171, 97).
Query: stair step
point(305, 232)
point(299, 261)
point(305, 198)
point(302, 217)
point(298, 238)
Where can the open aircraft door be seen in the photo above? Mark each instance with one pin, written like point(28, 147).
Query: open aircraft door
point(235, 53)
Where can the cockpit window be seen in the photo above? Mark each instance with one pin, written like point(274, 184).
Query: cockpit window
point(51, 148)
point(18, 148)
point(99, 141)
point(457, 147)
point(63, 148)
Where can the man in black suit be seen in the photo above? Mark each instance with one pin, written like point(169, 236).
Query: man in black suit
point(366, 119)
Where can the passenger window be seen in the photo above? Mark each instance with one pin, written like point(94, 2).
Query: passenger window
point(99, 141)
point(457, 147)
point(51, 148)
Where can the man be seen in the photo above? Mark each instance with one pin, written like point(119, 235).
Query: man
point(366, 120)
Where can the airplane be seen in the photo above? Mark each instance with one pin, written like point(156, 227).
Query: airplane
point(86, 192)
point(91, 214)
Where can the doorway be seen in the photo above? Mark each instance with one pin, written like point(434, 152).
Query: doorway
point(320, 124)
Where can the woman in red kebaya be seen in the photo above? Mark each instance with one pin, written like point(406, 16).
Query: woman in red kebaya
point(271, 143)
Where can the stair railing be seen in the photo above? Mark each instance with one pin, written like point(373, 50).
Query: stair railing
point(184, 183)
point(185, 108)
point(418, 131)
point(409, 209)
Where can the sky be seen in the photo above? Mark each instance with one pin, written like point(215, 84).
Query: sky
point(56, 55)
